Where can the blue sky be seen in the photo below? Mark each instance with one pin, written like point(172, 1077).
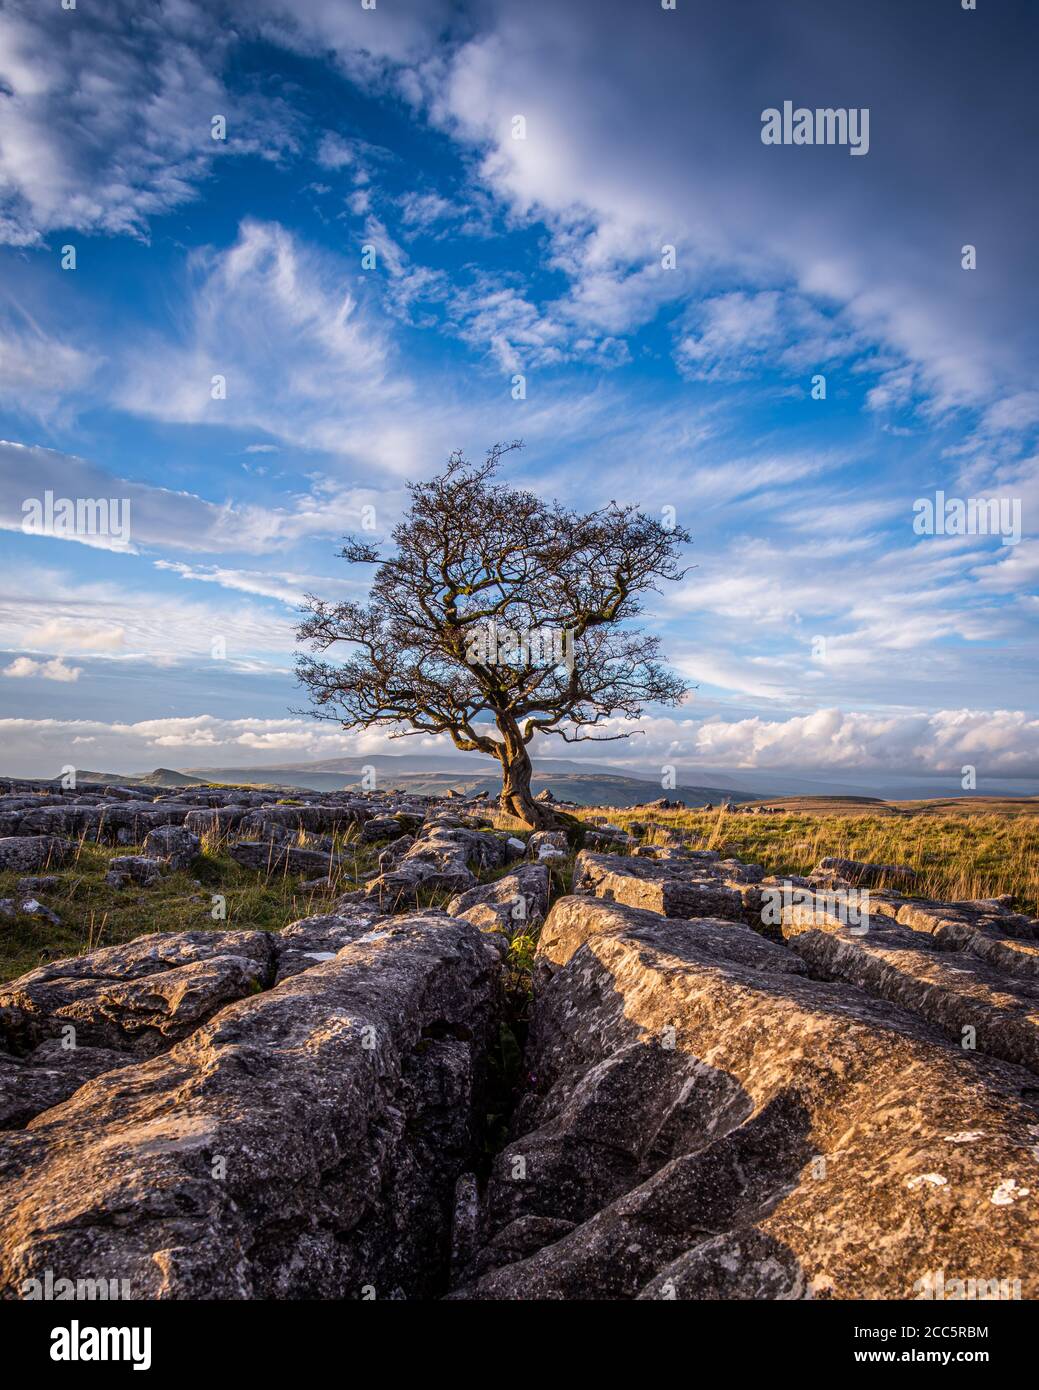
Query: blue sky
point(822, 632)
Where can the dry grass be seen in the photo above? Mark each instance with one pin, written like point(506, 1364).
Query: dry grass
point(956, 855)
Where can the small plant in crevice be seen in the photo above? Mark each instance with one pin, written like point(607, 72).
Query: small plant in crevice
point(506, 1079)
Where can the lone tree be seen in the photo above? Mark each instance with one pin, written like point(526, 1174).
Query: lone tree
point(498, 616)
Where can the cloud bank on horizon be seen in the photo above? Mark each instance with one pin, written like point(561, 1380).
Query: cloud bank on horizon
point(257, 339)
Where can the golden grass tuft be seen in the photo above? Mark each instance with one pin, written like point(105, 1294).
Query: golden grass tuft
point(957, 856)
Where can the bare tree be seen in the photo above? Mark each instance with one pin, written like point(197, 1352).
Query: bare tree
point(497, 616)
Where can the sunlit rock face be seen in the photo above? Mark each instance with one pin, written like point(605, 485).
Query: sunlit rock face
point(305, 1142)
point(713, 1117)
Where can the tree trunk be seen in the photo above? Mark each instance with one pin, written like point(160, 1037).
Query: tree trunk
point(516, 798)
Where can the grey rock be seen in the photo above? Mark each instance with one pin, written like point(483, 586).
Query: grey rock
point(174, 844)
point(27, 853)
point(520, 1238)
point(863, 873)
point(49, 1075)
point(466, 1223)
point(543, 840)
point(395, 852)
point(965, 997)
point(576, 920)
point(953, 925)
point(442, 859)
point(39, 883)
point(142, 995)
point(32, 907)
point(343, 1105)
point(1007, 954)
point(268, 857)
point(673, 888)
point(138, 868)
point(516, 902)
point(311, 940)
point(389, 827)
point(608, 839)
point(319, 818)
point(216, 820)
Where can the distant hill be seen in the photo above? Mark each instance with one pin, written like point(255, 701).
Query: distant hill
point(83, 775)
point(161, 777)
point(585, 787)
point(167, 777)
point(392, 764)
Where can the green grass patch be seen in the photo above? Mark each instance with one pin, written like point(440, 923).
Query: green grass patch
point(95, 914)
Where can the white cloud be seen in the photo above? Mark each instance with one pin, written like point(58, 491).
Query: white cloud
point(657, 143)
point(942, 742)
point(1013, 413)
point(288, 588)
point(304, 360)
point(333, 152)
point(55, 670)
point(739, 333)
point(364, 41)
point(409, 285)
point(946, 741)
point(421, 211)
point(106, 114)
point(38, 371)
point(280, 324)
point(512, 329)
point(59, 634)
point(40, 746)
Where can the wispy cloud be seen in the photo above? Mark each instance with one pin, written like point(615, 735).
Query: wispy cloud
point(107, 114)
point(40, 372)
point(164, 519)
point(287, 588)
point(106, 621)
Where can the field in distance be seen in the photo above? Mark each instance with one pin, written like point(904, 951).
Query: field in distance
point(873, 805)
point(961, 849)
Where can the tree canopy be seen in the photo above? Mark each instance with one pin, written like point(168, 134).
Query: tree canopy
point(497, 616)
